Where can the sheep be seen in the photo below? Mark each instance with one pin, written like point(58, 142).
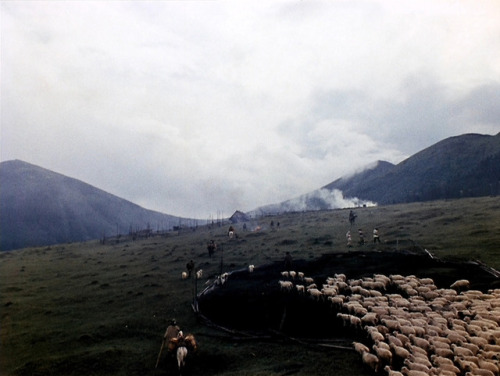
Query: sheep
point(308, 280)
point(355, 321)
point(406, 330)
point(461, 284)
point(199, 274)
point(393, 340)
point(478, 341)
point(445, 353)
point(300, 275)
point(300, 288)
point(391, 324)
point(439, 360)
point(285, 274)
point(360, 347)
point(416, 366)
point(344, 317)
point(336, 301)
point(479, 372)
point(489, 347)
point(292, 274)
point(374, 334)
point(465, 365)
point(184, 275)
point(340, 277)
point(400, 351)
point(371, 361)
point(404, 339)
point(391, 372)
point(471, 347)
point(412, 372)
point(285, 285)
point(484, 364)
point(441, 372)
point(251, 268)
point(420, 342)
point(448, 368)
point(490, 355)
point(181, 356)
point(418, 358)
point(416, 350)
point(383, 355)
point(461, 351)
point(315, 293)
point(434, 343)
point(369, 318)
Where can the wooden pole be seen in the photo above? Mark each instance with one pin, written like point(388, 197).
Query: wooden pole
point(159, 355)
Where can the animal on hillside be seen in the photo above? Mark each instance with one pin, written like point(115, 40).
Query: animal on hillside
point(182, 346)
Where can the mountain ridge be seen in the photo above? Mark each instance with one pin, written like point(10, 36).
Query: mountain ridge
point(467, 165)
point(42, 207)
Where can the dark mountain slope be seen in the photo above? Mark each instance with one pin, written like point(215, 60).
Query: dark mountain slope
point(466, 165)
point(41, 207)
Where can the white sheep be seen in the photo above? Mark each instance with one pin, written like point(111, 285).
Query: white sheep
point(460, 284)
point(400, 351)
point(181, 356)
point(384, 355)
point(412, 372)
point(315, 293)
point(199, 274)
point(416, 366)
point(285, 285)
point(360, 347)
point(391, 372)
point(251, 268)
point(308, 280)
point(184, 275)
point(371, 361)
point(480, 372)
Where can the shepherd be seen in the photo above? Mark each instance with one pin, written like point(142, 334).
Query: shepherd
point(171, 333)
point(376, 237)
point(352, 217)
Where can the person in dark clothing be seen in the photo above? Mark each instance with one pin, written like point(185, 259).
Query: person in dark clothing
point(288, 261)
point(190, 267)
point(211, 248)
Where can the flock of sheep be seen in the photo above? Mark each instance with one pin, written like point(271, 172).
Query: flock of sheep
point(412, 327)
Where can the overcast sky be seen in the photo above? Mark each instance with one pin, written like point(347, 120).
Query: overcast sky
point(197, 108)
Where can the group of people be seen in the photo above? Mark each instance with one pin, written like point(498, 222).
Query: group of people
point(352, 220)
point(376, 237)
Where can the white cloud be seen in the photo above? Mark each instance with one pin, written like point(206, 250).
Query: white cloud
point(196, 107)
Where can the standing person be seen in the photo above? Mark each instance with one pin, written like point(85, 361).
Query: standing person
point(352, 217)
point(361, 237)
point(288, 261)
point(172, 331)
point(349, 239)
point(376, 237)
point(190, 267)
point(211, 248)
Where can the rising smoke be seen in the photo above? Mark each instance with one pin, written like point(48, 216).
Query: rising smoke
point(321, 199)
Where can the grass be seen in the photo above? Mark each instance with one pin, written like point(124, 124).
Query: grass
point(92, 309)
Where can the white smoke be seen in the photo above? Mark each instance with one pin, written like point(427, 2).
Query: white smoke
point(321, 199)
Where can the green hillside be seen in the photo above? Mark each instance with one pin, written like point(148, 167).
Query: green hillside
point(92, 309)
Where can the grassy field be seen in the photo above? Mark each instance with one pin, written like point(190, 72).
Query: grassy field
point(93, 309)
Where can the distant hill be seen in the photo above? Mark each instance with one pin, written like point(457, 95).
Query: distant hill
point(41, 207)
point(461, 166)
